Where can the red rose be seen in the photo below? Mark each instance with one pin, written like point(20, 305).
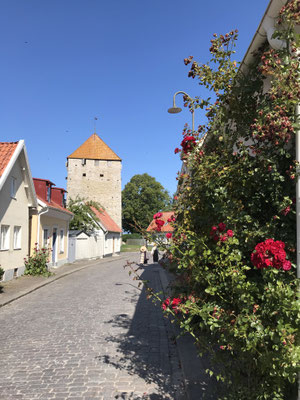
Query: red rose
point(223, 238)
point(221, 227)
point(157, 215)
point(168, 235)
point(286, 265)
point(230, 233)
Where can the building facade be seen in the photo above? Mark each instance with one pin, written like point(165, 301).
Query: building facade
point(94, 173)
point(50, 222)
point(17, 200)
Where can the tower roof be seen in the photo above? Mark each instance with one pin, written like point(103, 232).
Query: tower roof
point(95, 149)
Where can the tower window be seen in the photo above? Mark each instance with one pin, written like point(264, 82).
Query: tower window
point(101, 175)
point(83, 161)
point(83, 174)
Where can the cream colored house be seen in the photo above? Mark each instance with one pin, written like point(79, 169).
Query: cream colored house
point(17, 200)
point(50, 222)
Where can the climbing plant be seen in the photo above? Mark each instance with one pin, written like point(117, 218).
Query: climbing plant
point(235, 228)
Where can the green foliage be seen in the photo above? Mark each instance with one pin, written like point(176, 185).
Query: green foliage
point(131, 236)
point(242, 175)
point(84, 217)
point(37, 263)
point(142, 197)
point(1, 273)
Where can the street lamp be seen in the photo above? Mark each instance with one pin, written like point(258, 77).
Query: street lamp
point(176, 110)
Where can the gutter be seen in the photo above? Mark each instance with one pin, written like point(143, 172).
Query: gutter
point(264, 31)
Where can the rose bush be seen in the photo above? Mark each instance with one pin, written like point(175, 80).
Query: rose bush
point(234, 238)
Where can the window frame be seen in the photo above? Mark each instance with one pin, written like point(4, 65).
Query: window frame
point(13, 187)
point(46, 243)
point(17, 237)
point(61, 240)
point(5, 243)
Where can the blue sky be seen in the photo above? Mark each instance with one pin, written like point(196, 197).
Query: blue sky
point(64, 62)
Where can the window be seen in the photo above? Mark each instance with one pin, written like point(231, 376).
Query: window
point(45, 237)
point(83, 174)
point(13, 187)
point(83, 161)
point(62, 241)
point(96, 163)
point(101, 175)
point(48, 194)
point(4, 237)
point(17, 237)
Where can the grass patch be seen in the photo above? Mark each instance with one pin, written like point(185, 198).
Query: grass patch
point(130, 247)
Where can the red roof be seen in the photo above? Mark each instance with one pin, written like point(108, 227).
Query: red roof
point(52, 204)
point(107, 222)
point(167, 227)
point(6, 151)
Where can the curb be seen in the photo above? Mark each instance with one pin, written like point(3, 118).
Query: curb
point(55, 278)
point(165, 282)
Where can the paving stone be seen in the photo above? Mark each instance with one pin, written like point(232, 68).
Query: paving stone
point(89, 335)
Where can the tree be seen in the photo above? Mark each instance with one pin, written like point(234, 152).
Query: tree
point(142, 197)
point(84, 217)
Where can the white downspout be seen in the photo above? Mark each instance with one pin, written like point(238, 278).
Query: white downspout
point(277, 44)
point(298, 208)
point(44, 210)
point(298, 190)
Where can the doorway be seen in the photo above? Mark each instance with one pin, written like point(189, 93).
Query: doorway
point(54, 245)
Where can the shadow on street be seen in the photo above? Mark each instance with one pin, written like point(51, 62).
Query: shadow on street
point(149, 347)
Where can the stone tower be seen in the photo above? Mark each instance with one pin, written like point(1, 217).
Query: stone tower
point(94, 173)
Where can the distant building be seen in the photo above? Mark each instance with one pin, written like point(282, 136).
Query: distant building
point(50, 222)
point(167, 227)
point(94, 173)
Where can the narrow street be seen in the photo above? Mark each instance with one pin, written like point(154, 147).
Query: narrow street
point(90, 335)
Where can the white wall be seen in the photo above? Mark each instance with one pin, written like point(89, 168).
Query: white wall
point(14, 212)
point(89, 246)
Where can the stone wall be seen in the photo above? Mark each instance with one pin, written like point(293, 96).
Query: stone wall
point(97, 180)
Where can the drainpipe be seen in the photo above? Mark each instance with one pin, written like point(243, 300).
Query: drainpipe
point(298, 191)
point(44, 210)
point(298, 209)
point(277, 44)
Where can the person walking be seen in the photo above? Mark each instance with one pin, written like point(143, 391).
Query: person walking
point(143, 255)
point(154, 253)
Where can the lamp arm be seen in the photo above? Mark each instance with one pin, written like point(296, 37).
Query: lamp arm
point(174, 105)
point(180, 92)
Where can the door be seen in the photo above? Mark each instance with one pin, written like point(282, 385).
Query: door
point(72, 249)
point(54, 245)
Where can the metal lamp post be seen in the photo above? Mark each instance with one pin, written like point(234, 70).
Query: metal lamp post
point(176, 110)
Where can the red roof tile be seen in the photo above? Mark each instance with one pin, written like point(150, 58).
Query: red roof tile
point(167, 227)
point(6, 151)
point(52, 204)
point(108, 223)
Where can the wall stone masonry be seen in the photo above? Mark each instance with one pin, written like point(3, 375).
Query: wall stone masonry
point(97, 180)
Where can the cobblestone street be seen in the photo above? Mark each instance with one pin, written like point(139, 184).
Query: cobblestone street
point(90, 335)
